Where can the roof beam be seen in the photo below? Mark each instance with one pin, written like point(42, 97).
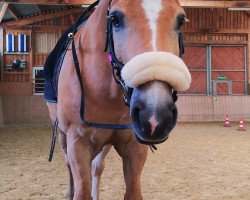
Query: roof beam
point(214, 4)
point(3, 11)
point(38, 9)
point(185, 3)
point(39, 18)
point(13, 13)
point(72, 2)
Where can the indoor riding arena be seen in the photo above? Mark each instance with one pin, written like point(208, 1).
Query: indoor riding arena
point(206, 156)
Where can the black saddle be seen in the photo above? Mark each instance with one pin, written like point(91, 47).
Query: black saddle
point(53, 64)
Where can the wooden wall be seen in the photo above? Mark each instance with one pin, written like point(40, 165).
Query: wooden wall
point(212, 20)
point(206, 26)
point(33, 110)
point(204, 108)
point(25, 110)
point(16, 75)
point(41, 40)
point(44, 42)
point(207, 62)
point(1, 113)
point(217, 27)
point(67, 20)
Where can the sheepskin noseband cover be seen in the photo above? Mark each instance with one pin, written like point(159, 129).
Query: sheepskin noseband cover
point(162, 66)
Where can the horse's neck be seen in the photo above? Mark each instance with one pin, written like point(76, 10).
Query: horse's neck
point(101, 91)
point(94, 62)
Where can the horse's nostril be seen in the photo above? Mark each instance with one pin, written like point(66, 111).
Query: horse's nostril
point(135, 114)
point(153, 123)
point(175, 114)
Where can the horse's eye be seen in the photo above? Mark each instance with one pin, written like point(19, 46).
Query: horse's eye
point(117, 19)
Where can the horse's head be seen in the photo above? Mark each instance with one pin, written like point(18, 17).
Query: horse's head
point(146, 39)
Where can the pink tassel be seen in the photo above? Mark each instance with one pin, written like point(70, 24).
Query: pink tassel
point(109, 58)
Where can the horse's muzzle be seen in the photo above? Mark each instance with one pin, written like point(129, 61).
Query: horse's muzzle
point(154, 75)
point(154, 117)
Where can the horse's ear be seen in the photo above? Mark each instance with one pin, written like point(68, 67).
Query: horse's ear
point(186, 20)
point(178, 2)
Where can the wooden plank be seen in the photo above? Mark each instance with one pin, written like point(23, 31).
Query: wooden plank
point(16, 88)
point(248, 13)
point(221, 19)
point(1, 55)
point(203, 108)
point(203, 41)
point(72, 20)
point(235, 106)
point(31, 20)
point(38, 9)
point(195, 58)
point(228, 57)
point(214, 4)
point(220, 31)
point(13, 13)
point(3, 11)
point(185, 3)
point(39, 28)
point(248, 62)
point(52, 2)
point(1, 112)
point(31, 54)
point(195, 108)
point(16, 73)
point(185, 31)
point(25, 110)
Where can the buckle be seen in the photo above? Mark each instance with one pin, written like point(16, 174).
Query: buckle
point(70, 35)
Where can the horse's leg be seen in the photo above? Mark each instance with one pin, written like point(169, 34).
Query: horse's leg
point(63, 144)
point(80, 153)
point(70, 184)
point(52, 107)
point(134, 156)
point(98, 165)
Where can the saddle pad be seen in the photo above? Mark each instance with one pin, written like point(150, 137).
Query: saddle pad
point(50, 88)
point(52, 66)
point(52, 73)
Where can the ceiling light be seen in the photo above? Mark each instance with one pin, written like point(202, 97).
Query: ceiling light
point(239, 9)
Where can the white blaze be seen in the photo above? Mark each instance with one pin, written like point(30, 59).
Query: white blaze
point(152, 9)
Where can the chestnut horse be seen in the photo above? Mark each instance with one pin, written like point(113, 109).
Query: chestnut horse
point(143, 34)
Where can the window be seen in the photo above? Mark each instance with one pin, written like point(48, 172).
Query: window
point(38, 81)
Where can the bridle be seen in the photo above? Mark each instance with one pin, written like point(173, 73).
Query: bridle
point(115, 63)
point(116, 67)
